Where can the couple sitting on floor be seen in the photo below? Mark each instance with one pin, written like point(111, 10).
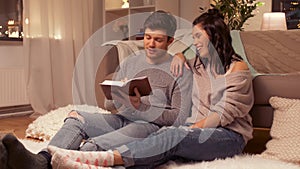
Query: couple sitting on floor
point(197, 112)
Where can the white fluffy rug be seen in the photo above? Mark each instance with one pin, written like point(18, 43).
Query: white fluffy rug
point(34, 146)
point(238, 162)
point(45, 127)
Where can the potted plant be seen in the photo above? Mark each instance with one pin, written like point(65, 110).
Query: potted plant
point(236, 12)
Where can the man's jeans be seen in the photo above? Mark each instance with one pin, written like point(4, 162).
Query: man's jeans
point(105, 130)
point(183, 142)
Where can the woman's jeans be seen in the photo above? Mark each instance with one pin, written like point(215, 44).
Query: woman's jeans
point(191, 144)
point(105, 130)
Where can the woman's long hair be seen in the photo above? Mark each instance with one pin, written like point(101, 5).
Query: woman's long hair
point(220, 48)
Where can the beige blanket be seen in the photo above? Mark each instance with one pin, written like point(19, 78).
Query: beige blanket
point(273, 51)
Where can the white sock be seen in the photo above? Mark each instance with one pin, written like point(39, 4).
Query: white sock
point(73, 158)
point(60, 162)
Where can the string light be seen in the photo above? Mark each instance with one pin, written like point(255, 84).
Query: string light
point(26, 21)
point(11, 22)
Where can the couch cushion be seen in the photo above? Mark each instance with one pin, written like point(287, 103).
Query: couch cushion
point(107, 66)
point(266, 86)
point(272, 51)
point(283, 85)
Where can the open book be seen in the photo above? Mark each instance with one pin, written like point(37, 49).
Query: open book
point(141, 83)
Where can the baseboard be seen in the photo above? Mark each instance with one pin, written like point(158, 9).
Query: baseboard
point(11, 111)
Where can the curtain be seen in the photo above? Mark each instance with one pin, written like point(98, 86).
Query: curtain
point(54, 33)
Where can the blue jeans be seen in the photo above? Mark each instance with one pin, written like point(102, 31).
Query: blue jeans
point(183, 142)
point(105, 130)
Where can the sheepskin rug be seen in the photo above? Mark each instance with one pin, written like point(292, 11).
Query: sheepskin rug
point(45, 127)
point(245, 161)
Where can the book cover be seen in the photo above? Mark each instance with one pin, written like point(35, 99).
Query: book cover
point(141, 83)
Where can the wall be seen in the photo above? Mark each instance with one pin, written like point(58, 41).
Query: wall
point(254, 23)
point(12, 75)
point(189, 9)
point(11, 56)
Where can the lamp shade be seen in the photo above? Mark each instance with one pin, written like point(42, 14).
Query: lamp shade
point(274, 21)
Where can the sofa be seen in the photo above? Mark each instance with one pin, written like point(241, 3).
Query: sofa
point(274, 59)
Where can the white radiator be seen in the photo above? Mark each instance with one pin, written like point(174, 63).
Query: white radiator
point(12, 87)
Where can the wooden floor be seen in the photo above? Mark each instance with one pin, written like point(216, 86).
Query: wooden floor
point(18, 125)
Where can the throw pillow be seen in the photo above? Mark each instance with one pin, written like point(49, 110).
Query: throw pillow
point(285, 130)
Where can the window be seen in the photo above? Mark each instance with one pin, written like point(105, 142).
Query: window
point(11, 18)
point(291, 8)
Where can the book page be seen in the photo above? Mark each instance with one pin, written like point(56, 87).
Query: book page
point(113, 83)
point(141, 83)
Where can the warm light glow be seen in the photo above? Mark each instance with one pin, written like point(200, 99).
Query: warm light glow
point(13, 34)
point(57, 37)
point(295, 3)
point(0, 27)
point(11, 22)
point(125, 4)
point(34, 36)
point(274, 21)
point(26, 21)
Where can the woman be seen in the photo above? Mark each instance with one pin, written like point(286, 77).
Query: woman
point(220, 124)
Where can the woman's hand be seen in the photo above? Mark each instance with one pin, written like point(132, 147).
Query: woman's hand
point(177, 63)
point(124, 80)
point(198, 124)
point(211, 121)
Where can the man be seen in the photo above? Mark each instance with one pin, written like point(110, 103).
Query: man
point(139, 117)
